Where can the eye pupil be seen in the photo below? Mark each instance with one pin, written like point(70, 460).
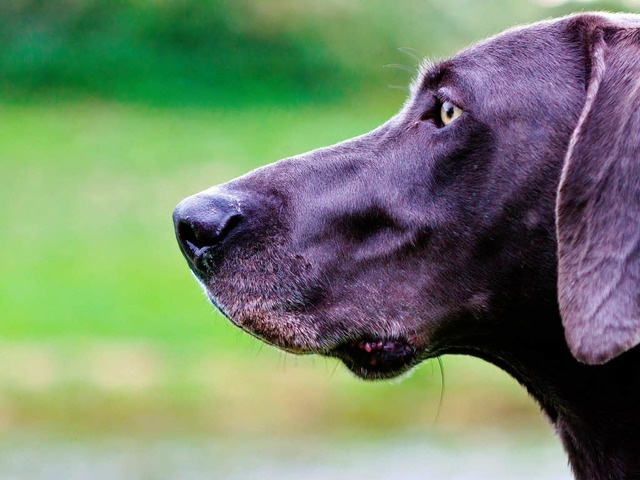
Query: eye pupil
point(448, 109)
point(449, 112)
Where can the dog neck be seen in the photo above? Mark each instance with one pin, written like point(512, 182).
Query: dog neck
point(594, 409)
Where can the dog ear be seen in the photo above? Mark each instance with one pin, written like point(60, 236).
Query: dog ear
point(598, 205)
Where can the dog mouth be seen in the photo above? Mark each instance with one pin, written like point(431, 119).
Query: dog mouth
point(369, 357)
point(374, 358)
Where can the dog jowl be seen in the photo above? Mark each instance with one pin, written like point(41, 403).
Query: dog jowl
point(495, 215)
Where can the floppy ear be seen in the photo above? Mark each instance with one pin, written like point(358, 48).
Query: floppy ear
point(598, 206)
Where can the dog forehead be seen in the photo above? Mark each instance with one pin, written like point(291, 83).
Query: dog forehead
point(497, 59)
point(519, 70)
point(519, 51)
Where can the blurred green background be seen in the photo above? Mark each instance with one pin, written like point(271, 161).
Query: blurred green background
point(111, 112)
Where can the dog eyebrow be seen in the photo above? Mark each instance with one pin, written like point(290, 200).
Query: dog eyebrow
point(430, 75)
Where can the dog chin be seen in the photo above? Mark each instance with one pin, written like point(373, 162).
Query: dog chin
point(378, 359)
point(365, 373)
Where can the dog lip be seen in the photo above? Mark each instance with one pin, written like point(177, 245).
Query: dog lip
point(287, 347)
point(367, 356)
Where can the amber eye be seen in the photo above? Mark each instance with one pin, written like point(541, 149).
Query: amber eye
point(449, 112)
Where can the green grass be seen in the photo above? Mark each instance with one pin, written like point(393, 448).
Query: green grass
point(88, 246)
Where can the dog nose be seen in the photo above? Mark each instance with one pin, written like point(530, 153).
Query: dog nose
point(203, 221)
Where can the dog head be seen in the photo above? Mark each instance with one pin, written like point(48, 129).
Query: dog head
point(439, 226)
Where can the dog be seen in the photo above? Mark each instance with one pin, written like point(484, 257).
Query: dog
point(496, 215)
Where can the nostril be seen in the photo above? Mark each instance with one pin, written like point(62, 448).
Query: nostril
point(228, 225)
point(200, 233)
point(204, 221)
point(187, 234)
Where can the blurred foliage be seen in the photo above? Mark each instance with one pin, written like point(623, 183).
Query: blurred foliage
point(151, 50)
point(225, 51)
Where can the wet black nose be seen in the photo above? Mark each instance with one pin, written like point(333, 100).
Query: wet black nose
point(203, 221)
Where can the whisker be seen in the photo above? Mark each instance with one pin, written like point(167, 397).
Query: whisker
point(442, 387)
point(335, 368)
point(399, 87)
point(401, 66)
point(413, 53)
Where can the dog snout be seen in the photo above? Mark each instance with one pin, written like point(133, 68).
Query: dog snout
point(202, 223)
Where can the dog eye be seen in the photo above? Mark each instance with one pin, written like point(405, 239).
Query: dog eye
point(449, 112)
